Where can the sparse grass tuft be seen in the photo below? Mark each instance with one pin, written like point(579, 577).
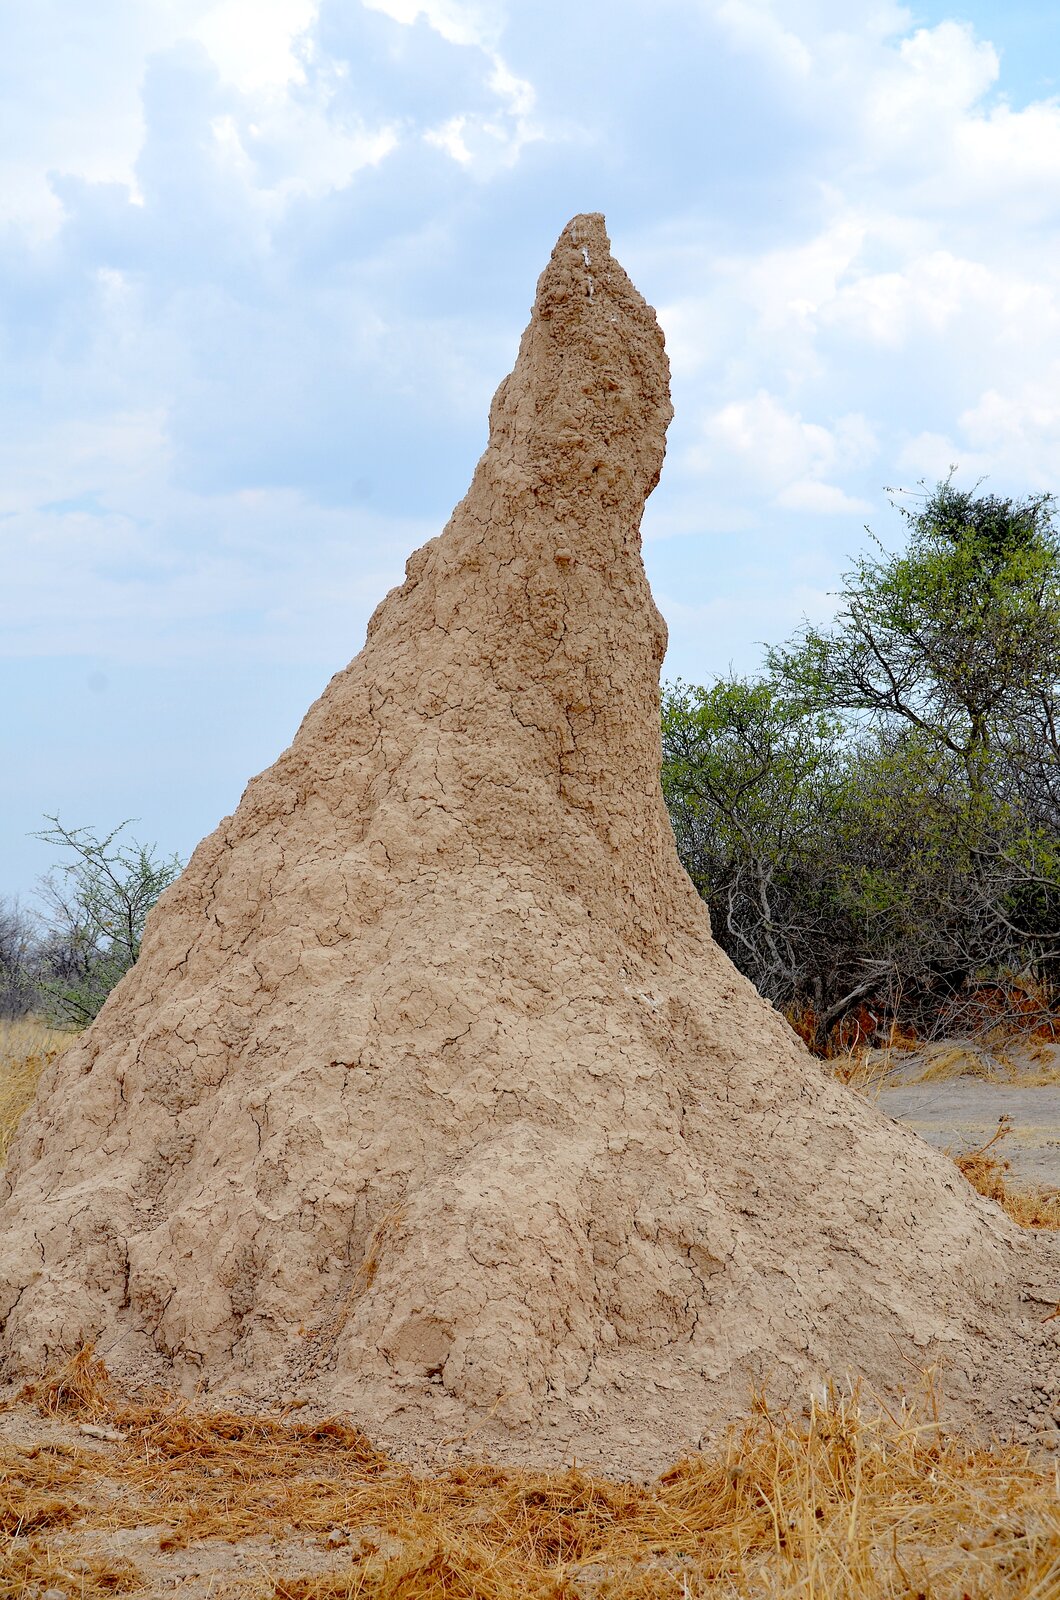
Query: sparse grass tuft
point(950, 1059)
point(987, 1173)
point(1024, 1062)
point(26, 1048)
point(82, 1387)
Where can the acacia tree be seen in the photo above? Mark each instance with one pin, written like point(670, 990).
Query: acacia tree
point(914, 877)
point(755, 785)
point(19, 960)
point(957, 635)
point(830, 863)
point(957, 639)
point(879, 813)
point(97, 905)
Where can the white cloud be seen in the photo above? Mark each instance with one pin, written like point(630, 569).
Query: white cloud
point(261, 47)
point(1010, 436)
point(789, 286)
point(481, 143)
point(459, 21)
point(753, 26)
point(773, 449)
point(924, 118)
point(68, 109)
point(1015, 436)
point(318, 155)
point(998, 419)
point(932, 292)
point(94, 130)
point(823, 499)
point(253, 42)
point(450, 138)
point(518, 92)
point(767, 440)
point(916, 287)
point(934, 74)
point(84, 117)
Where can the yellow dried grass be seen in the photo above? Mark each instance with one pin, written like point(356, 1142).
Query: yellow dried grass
point(26, 1048)
point(847, 1501)
point(1030, 1206)
point(1012, 1059)
point(29, 1569)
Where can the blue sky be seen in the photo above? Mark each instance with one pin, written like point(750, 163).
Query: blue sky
point(263, 263)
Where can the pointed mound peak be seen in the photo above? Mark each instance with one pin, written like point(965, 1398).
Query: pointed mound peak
point(588, 403)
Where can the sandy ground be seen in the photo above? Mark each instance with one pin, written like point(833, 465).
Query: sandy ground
point(963, 1113)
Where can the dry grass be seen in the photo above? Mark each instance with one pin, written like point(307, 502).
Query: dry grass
point(1011, 1059)
point(987, 1172)
point(26, 1048)
point(29, 1568)
point(1020, 1062)
point(947, 1060)
point(843, 1502)
point(867, 1071)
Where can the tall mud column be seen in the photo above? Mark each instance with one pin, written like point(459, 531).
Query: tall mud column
point(431, 1096)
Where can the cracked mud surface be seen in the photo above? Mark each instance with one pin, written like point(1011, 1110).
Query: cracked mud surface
point(431, 1097)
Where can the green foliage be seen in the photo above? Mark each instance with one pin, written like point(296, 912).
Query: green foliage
point(98, 905)
point(878, 813)
point(749, 776)
point(958, 635)
point(751, 755)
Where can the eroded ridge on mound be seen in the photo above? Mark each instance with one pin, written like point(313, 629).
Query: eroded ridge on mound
point(431, 1095)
